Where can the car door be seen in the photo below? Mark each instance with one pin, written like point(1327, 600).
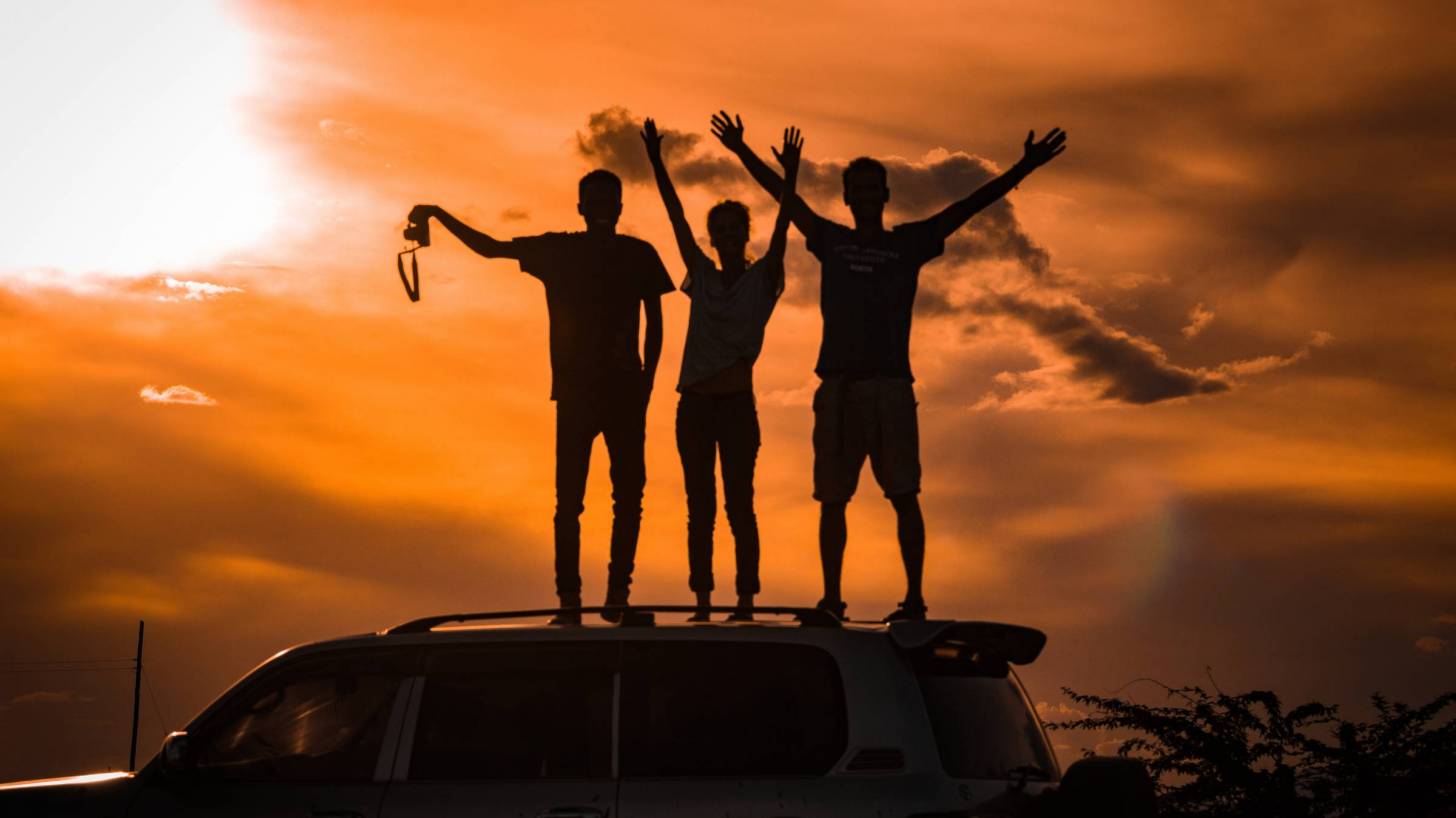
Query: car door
point(723, 728)
point(518, 730)
point(311, 738)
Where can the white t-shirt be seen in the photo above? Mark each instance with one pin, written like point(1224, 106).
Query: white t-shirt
point(725, 324)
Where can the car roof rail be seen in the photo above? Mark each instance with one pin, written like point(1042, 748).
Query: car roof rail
point(630, 615)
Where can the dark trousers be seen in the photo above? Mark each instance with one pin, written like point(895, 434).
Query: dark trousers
point(710, 428)
point(621, 418)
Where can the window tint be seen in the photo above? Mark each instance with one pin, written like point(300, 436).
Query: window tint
point(538, 712)
point(323, 720)
point(982, 722)
point(730, 709)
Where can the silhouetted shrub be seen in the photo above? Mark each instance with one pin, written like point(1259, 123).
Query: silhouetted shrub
point(1215, 754)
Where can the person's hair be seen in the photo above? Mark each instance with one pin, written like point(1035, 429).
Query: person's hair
point(729, 207)
point(599, 177)
point(864, 163)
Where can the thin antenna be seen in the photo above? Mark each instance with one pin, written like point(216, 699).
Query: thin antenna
point(136, 694)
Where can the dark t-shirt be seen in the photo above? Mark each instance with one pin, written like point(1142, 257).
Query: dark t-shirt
point(593, 287)
point(866, 293)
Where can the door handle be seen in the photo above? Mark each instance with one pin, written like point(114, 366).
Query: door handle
point(573, 812)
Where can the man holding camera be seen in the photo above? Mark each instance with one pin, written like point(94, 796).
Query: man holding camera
point(595, 281)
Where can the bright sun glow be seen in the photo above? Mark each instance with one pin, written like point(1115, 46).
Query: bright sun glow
point(126, 150)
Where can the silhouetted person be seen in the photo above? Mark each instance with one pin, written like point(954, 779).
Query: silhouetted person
point(865, 405)
point(716, 416)
point(595, 282)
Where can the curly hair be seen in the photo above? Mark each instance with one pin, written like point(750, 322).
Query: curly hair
point(729, 207)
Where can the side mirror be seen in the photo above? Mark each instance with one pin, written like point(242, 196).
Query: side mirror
point(177, 753)
point(1107, 787)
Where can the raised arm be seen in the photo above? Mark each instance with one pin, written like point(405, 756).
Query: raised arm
point(789, 159)
point(1034, 156)
point(729, 131)
point(681, 230)
point(469, 236)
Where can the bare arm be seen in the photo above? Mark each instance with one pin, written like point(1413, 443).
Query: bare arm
point(1036, 154)
point(469, 236)
point(652, 340)
point(687, 245)
point(729, 131)
point(789, 159)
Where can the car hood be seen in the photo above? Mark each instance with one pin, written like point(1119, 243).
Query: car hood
point(95, 793)
point(65, 781)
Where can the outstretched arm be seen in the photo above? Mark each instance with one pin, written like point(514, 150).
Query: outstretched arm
point(652, 341)
point(681, 230)
point(729, 131)
point(469, 236)
point(1035, 155)
point(789, 159)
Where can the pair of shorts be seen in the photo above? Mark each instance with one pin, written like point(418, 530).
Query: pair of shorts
point(859, 418)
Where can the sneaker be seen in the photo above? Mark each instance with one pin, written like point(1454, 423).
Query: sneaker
point(700, 615)
point(834, 607)
point(568, 617)
point(909, 610)
point(616, 599)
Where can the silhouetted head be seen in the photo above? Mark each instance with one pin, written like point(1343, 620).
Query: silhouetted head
point(728, 227)
point(599, 200)
point(866, 188)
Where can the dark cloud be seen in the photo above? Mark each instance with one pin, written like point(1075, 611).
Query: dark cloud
point(917, 188)
point(613, 141)
point(515, 214)
point(1133, 369)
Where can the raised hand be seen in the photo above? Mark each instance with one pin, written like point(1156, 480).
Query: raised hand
point(729, 130)
point(1037, 154)
point(653, 139)
point(789, 157)
point(422, 212)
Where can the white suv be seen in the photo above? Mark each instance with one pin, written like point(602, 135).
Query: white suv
point(447, 717)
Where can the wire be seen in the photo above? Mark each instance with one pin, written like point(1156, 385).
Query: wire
point(68, 662)
point(152, 694)
point(66, 669)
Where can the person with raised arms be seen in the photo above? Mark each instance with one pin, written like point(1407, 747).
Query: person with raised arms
point(865, 405)
point(717, 419)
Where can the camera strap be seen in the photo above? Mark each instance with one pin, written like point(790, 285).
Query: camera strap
point(410, 289)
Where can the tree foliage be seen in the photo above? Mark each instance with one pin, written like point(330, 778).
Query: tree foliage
point(1216, 754)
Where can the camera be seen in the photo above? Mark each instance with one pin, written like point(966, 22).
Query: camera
point(418, 232)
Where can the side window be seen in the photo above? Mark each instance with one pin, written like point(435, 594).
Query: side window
point(983, 724)
point(730, 709)
point(529, 712)
point(321, 720)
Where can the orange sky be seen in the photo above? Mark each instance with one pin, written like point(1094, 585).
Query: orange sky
point(210, 198)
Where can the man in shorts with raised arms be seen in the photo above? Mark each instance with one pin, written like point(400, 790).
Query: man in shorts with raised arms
point(865, 404)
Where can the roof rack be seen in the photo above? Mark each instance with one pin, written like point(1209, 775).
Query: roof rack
point(630, 615)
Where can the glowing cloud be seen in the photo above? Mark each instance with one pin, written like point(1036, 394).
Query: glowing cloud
point(196, 290)
point(1198, 319)
point(184, 395)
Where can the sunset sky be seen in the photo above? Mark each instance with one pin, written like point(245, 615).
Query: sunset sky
point(1187, 401)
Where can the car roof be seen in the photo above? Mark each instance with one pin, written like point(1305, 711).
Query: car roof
point(1016, 644)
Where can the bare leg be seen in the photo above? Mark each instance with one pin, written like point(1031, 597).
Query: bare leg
point(832, 538)
point(910, 526)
